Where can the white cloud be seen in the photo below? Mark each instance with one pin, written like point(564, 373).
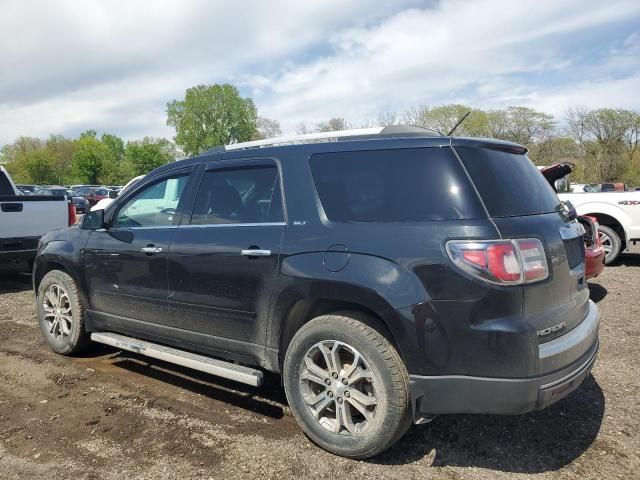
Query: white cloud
point(72, 65)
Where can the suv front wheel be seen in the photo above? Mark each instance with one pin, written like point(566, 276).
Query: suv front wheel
point(61, 314)
point(347, 385)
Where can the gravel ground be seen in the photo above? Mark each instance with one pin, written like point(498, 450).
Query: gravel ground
point(114, 415)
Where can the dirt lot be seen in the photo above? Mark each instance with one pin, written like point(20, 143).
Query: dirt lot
point(114, 415)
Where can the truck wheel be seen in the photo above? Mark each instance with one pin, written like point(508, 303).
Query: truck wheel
point(611, 243)
point(61, 314)
point(347, 386)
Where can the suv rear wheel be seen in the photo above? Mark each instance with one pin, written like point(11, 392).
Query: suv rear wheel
point(61, 314)
point(347, 385)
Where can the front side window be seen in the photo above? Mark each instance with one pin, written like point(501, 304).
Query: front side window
point(238, 195)
point(153, 206)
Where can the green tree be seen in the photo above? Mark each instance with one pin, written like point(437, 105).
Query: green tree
point(60, 153)
point(38, 167)
point(21, 160)
point(526, 125)
point(211, 115)
point(90, 159)
point(115, 145)
point(442, 119)
point(149, 153)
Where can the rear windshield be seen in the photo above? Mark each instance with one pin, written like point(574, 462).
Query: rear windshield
point(509, 183)
point(401, 185)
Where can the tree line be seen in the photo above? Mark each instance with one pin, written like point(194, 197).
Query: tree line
point(603, 143)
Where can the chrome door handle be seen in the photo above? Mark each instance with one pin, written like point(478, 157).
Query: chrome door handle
point(151, 249)
point(255, 252)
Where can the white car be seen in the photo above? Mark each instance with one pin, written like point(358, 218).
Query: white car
point(618, 214)
point(105, 202)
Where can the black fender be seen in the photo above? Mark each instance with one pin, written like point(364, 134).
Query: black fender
point(61, 249)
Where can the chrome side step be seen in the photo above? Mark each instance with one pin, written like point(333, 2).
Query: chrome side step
point(213, 366)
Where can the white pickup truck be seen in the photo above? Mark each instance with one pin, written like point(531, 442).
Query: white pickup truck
point(25, 218)
point(618, 213)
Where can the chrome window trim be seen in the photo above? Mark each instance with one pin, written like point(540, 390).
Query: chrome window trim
point(124, 227)
point(263, 224)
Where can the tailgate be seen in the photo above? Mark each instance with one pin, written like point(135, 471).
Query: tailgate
point(559, 303)
point(522, 204)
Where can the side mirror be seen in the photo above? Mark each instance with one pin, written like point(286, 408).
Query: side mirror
point(93, 220)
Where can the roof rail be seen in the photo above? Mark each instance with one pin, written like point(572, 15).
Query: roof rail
point(395, 130)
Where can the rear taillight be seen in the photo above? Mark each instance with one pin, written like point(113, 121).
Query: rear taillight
point(505, 262)
point(71, 210)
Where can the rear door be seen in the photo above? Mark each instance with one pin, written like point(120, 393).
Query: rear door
point(223, 261)
point(522, 204)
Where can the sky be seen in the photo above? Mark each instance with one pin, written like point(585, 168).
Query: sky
point(112, 65)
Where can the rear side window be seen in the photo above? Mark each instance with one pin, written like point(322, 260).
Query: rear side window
point(509, 183)
point(401, 185)
point(238, 195)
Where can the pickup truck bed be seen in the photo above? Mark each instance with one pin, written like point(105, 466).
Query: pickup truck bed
point(25, 218)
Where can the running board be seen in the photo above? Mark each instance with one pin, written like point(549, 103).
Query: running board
point(213, 366)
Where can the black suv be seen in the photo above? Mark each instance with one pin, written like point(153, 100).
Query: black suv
point(389, 277)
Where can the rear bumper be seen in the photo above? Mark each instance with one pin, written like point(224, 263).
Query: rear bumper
point(18, 249)
point(466, 394)
point(594, 261)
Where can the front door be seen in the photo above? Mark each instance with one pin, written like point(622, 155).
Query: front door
point(223, 261)
point(126, 263)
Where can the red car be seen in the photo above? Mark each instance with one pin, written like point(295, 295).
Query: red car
point(594, 250)
point(93, 195)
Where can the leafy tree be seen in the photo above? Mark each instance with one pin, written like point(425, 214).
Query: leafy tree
point(211, 115)
point(19, 159)
point(59, 151)
point(89, 134)
point(115, 145)
point(90, 158)
point(526, 125)
point(442, 119)
point(38, 167)
point(607, 140)
point(149, 153)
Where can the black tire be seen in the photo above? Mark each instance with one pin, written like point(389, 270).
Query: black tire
point(613, 241)
point(76, 338)
point(389, 385)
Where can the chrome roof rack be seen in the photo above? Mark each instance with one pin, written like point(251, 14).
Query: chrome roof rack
point(353, 134)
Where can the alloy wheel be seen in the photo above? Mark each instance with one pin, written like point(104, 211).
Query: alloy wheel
point(338, 387)
point(57, 312)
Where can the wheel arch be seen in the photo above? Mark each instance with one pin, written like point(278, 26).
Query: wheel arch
point(46, 263)
point(613, 223)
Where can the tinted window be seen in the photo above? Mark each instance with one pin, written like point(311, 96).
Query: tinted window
point(5, 186)
point(509, 183)
point(147, 209)
point(59, 191)
point(238, 195)
point(394, 186)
